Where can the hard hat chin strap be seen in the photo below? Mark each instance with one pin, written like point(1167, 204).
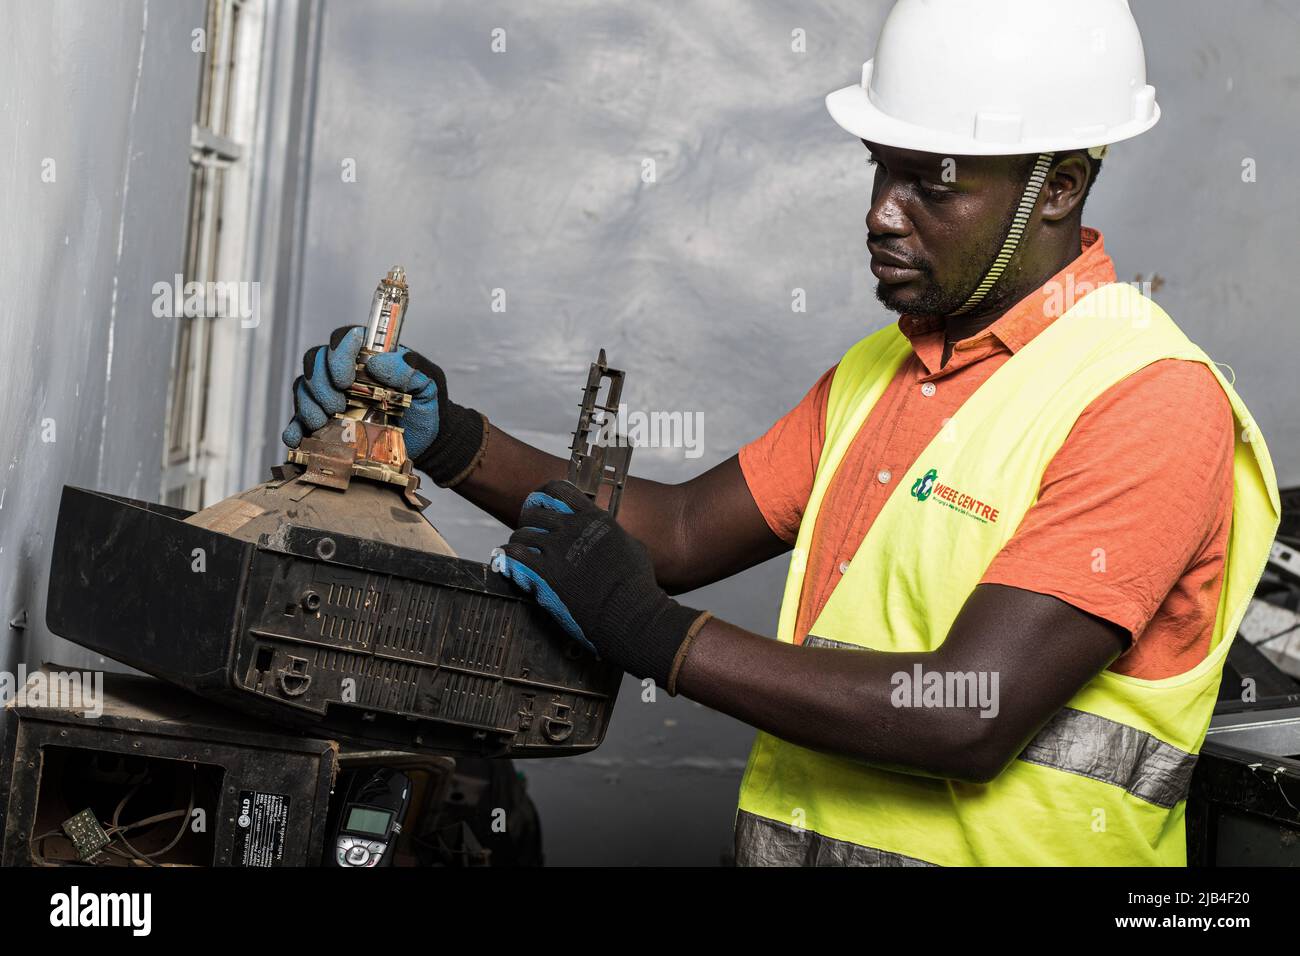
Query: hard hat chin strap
point(1028, 200)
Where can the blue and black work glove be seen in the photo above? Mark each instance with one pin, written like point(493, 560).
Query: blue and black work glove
point(598, 582)
point(443, 439)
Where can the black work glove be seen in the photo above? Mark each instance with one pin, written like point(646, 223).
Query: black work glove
point(320, 391)
point(443, 439)
point(598, 582)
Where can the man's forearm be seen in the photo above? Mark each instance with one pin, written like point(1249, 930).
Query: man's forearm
point(508, 471)
point(836, 701)
point(649, 510)
point(696, 532)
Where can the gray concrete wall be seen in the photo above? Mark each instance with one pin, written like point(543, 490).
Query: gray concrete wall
point(522, 171)
point(107, 92)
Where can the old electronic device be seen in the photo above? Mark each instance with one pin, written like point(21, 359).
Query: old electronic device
point(122, 770)
point(324, 599)
point(371, 817)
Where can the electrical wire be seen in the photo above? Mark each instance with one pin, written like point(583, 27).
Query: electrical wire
point(116, 831)
point(119, 830)
point(1282, 633)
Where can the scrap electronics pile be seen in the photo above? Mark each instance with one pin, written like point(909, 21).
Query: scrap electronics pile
point(1244, 807)
point(329, 682)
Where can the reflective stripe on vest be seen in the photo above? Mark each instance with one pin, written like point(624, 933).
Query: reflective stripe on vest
point(763, 842)
point(1104, 781)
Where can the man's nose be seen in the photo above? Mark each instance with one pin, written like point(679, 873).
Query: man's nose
point(886, 216)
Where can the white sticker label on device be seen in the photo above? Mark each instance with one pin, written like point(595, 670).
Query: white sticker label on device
point(260, 823)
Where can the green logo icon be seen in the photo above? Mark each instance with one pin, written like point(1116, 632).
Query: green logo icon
point(924, 485)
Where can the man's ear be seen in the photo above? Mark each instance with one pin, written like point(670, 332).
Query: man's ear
point(1067, 184)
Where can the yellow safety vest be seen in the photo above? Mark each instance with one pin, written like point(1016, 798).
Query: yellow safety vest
point(1106, 780)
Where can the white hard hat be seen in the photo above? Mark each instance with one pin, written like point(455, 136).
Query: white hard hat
point(1001, 77)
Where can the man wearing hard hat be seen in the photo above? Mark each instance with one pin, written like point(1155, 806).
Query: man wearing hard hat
point(1025, 521)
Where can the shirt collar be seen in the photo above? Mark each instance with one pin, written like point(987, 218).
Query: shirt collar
point(1036, 311)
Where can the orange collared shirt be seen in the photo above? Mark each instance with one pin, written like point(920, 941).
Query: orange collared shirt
point(1133, 513)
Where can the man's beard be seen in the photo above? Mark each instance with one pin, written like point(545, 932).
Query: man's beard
point(932, 302)
point(936, 302)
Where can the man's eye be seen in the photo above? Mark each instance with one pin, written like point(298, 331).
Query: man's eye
point(933, 191)
point(871, 161)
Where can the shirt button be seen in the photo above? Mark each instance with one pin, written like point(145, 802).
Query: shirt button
point(884, 476)
point(928, 389)
point(844, 567)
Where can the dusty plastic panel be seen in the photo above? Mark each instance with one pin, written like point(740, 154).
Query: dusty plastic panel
point(349, 638)
point(146, 747)
point(1244, 806)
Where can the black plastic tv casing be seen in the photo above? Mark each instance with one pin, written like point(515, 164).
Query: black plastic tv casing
point(344, 637)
